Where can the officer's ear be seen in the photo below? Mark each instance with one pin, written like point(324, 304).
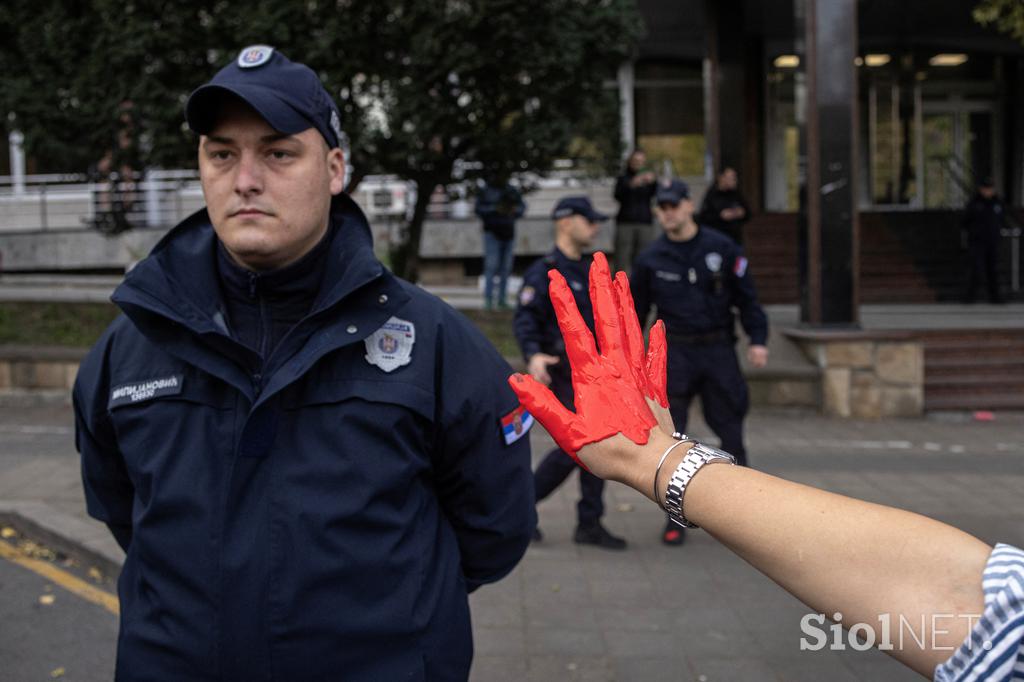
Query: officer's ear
point(336, 170)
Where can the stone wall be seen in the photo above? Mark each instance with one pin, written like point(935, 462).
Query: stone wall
point(865, 375)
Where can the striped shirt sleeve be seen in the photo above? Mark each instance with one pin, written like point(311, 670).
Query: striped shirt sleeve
point(994, 651)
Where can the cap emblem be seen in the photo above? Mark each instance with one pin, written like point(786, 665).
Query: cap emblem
point(254, 55)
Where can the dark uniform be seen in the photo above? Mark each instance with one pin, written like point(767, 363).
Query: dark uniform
point(305, 478)
point(536, 330)
point(984, 219)
point(695, 286)
point(717, 200)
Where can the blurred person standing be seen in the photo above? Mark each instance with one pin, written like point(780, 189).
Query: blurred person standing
point(696, 277)
point(723, 207)
point(499, 206)
point(536, 330)
point(634, 230)
point(984, 219)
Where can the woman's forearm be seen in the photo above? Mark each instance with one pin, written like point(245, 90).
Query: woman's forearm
point(834, 553)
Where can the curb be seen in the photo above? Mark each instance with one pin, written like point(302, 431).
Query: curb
point(86, 540)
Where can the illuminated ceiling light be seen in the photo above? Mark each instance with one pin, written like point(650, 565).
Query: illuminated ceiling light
point(948, 59)
point(859, 61)
point(787, 61)
point(876, 59)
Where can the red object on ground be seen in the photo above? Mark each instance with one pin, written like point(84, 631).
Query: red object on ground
point(984, 416)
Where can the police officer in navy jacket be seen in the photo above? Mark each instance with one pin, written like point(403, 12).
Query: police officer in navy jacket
point(536, 330)
point(282, 435)
point(696, 277)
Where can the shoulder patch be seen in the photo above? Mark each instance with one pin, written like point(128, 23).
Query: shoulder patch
point(139, 391)
point(526, 295)
point(516, 424)
point(390, 347)
point(740, 268)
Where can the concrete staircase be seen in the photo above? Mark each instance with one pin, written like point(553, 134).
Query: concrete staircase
point(974, 369)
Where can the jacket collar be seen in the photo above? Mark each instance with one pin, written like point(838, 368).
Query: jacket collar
point(173, 296)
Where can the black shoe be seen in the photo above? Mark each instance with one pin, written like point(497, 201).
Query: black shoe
point(598, 536)
point(537, 535)
point(673, 534)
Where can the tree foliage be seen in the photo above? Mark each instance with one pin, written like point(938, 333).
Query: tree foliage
point(511, 84)
point(1006, 15)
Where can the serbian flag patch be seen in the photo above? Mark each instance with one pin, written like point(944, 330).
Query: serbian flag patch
point(515, 424)
point(740, 268)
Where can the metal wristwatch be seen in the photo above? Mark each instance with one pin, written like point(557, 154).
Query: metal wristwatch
point(696, 457)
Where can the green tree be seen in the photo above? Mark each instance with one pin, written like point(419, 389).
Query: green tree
point(1006, 15)
point(510, 84)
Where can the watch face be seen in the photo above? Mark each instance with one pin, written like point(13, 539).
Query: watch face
point(708, 450)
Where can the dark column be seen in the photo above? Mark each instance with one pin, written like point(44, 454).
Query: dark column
point(726, 92)
point(829, 31)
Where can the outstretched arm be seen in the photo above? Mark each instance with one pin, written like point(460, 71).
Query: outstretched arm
point(834, 553)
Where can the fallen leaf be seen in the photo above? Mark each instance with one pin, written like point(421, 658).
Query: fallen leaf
point(57, 672)
point(625, 507)
point(556, 587)
point(7, 532)
point(46, 599)
point(95, 574)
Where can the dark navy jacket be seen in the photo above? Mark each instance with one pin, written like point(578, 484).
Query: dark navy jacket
point(535, 324)
point(984, 219)
point(695, 286)
point(323, 520)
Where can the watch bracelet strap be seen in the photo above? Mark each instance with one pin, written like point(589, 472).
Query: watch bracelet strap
point(679, 439)
point(695, 459)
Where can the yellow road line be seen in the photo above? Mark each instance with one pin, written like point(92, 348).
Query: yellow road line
point(71, 583)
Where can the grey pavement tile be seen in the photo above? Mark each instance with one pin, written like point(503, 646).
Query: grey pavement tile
point(497, 668)
point(499, 613)
point(637, 592)
point(649, 644)
point(614, 619)
point(489, 641)
point(556, 614)
point(564, 642)
point(710, 642)
point(595, 668)
point(645, 669)
point(734, 668)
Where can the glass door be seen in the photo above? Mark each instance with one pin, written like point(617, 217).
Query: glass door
point(957, 151)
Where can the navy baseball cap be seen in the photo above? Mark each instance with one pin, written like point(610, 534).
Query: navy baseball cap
point(568, 206)
point(672, 193)
point(288, 95)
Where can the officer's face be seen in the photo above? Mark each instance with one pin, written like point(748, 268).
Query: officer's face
point(582, 231)
point(268, 194)
point(673, 217)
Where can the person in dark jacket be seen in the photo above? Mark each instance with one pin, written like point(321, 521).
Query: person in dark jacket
point(499, 206)
point(984, 219)
point(723, 207)
point(634, 228)
point(282, 435)
point(695, 276)
point(536, 330)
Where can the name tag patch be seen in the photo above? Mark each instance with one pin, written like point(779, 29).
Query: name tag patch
point(127, 394)
point(668, 276)
point(515, 424)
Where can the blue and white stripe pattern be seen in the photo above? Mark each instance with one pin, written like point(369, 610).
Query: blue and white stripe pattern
point(994, 652)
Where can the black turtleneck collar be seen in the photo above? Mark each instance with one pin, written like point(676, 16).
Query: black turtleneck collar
point(262, 306)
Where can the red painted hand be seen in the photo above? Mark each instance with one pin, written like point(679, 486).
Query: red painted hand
point(610, 388)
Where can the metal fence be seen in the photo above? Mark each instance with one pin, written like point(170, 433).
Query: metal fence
point(109, 204)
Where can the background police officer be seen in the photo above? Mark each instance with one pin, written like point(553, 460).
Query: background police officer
point(536, 330)
point(695, 276)
point(984, 219)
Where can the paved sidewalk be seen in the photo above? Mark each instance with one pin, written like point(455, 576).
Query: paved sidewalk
point(651, 612)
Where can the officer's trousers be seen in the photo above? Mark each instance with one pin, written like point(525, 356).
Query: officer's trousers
point(557, 465)
point(984, 258)
point(712, 372)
